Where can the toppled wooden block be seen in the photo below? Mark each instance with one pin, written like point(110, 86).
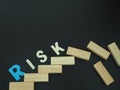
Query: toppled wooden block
point(115, 51)
point(103, 73)
point(82, 54)
point(63, 60)
point(50, 69)
point(36, 77)
point(101, 52)
point(21, 86)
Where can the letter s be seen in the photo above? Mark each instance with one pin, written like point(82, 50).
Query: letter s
point(40, 54)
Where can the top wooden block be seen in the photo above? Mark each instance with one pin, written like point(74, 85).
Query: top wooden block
point(82, 54)
point(98, 50)
point(63, 60)
point(21, 86)
point(115, 51)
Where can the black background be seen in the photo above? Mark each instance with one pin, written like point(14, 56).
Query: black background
point(27, 26)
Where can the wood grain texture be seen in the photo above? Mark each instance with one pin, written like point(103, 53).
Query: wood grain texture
point(98, 50)
point(63, 60)
point(115, 51)
point(103, 73)
point(21, 86)
point(50, 69)
point(82, 54)
point(36, 77)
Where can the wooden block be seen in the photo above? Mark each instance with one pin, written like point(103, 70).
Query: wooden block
point(63, 60)
point(103, 73)
point(36, 77)
point(21, 86)
point(115, 51)
point(101, 52)
point(50, 69)
point(82, 54)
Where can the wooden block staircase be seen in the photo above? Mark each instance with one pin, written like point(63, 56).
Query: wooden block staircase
point(43, 73)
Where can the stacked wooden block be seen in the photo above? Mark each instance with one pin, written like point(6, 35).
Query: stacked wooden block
point(58, 62)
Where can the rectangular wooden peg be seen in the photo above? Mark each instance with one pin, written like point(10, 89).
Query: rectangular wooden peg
point(103, 73)
point(115, 51)
point(50, 69)
point(98, 50)
point(36, 77)
point(21, 86)
point(82, 54)
point(63, 60)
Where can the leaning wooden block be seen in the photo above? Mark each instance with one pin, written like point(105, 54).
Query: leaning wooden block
point(36, 77)
point(101, 52)
point(82, 54)
point(50, 69)
point(115, 51)
point(63, 60)
point(103, 73)
point(21, 86)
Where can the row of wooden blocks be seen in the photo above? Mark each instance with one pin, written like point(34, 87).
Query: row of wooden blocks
point(98, 50)
point(57, 62)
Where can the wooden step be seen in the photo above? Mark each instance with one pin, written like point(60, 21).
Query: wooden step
point(103, 73)
point(63, 60)
point(50, 69)
point(21, 86)
point(115, 51)
point(82, 54)
point(98, 50)
point(36, 77)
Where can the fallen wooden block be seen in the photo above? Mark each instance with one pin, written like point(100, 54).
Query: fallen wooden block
point(101, 52)
point(21, 86)
point(63, 60)
point(36, 77)
point(115, 51)
point(103, 73)
point(82, 54)
point(50, 69)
